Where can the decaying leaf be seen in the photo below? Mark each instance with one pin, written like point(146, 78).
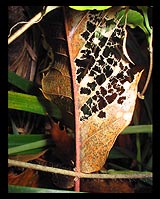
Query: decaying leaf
point(61, 155)
point(63, 144)
point(27, 178)
point(97, 142)
point(105, 89)
point(27, 157)
point(57, 83)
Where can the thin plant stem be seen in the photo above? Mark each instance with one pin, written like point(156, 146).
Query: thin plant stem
point(141, 95)
point(125, 175)
point(34, 20)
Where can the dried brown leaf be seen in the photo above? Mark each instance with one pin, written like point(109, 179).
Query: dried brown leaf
point(57, 82)
point(27, 157)
point(105, 89)
point(27, 178)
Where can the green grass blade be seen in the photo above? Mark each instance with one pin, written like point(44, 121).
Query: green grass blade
point(25, 102)
point(16, 140)
point(23, 189)
point(29, 146)
point(21, 83)
point(114, 154)
point(31, 103)
point(138, 129)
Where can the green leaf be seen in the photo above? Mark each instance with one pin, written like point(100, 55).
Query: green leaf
point(82, 8)
point(31, 103)
point(115, 154)
point(138, 129)
point(23, 189)
point(25, 102)
point(112, 171)
point(145, 14)
point(121, 152)
point(29, 146)
point(17, 140)
point(24, 84)
point(134, 19)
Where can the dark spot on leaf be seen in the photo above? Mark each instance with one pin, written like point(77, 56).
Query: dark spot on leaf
point(86, 110)
point(94, 97)
point(110, 90)
point(126, 68)
point(80, 70)
point(119, 31)
point(120, 75)
point(111, 98)
point(86, 54)
point(92, 73)
point(89, 102)
point(103, 91)
point(116, 39)
point(90, 26)
point(96, 68)
point(122, 90)
point(82, 62)
point(96, 53)
point(110, 61)
point(88, 45)
point(100, 61)
point(97, 93)
point(79, 77)
point(113, 80)
point(121, 66)
point(107, 71)
point(103, 41)
point(101, 103)
point(109, 86)
point(92, 85)
point(94, 109)
point(114, 51)
point(85, 91)
point(115, 63)
point(100, 79)
point(102, 114)
point(110, 22)
point(83, 51)
point(91, 40)
point(85, 35)
point(116, 86)
point(121, 100)
point(106, 52)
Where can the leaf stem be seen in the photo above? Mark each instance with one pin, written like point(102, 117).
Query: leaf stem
point(141, 95)
point(76, 111)
point(146, 20)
